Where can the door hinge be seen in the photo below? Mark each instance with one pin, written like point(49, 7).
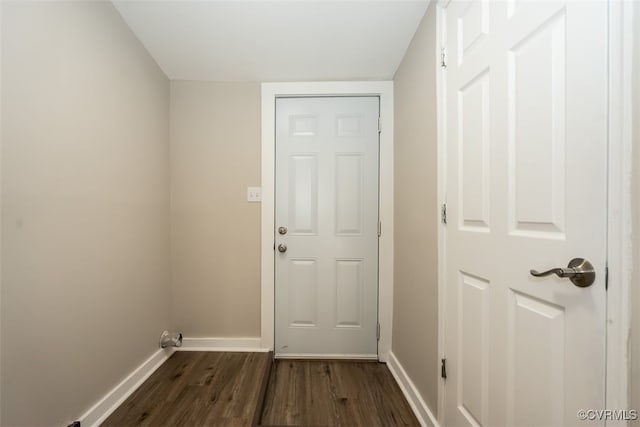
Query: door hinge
point(379, 125)
point(606, 278)
point(378, 332)
point(443, 368)
point(443, 213)
point(379, 228)
point(443, 57)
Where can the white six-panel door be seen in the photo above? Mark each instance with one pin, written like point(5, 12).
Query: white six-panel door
point(326, 268)
point(526, 96)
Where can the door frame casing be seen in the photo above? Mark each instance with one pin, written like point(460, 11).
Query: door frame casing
point(271, 91)
point(619, 208)
point(619, 212)
point(441, 123)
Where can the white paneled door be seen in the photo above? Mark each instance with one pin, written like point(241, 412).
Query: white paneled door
point(526, 136)
point(326, 227)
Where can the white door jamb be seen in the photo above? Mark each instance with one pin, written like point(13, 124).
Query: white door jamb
point(619, 250)
point(441, 82)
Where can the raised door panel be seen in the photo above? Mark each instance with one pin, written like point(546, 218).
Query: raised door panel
point(536, 361)
point(474, 154)
point(472, 27)
point(349, 293)
point(536, 131)
point(473, 348)
point(303, 125)
point(303, 194)
point(349, 126)
point(302, 291)
point(349, 170)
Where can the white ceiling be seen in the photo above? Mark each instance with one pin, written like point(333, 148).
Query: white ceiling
point(304, 40)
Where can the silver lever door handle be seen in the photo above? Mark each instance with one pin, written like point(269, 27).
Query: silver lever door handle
point(579, 271)
point(560, 272)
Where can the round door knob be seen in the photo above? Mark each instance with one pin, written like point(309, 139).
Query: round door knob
point(282, 230)
point(282, 247)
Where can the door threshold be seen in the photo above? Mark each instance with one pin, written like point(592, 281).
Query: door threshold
point(328, 356)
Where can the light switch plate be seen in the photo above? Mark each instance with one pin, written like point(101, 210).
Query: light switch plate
point(254, 194)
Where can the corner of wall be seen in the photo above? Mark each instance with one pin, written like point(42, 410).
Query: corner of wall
point(415, 311)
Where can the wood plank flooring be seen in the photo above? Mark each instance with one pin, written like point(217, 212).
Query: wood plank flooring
point(247, 389)
point(334, 393)
point(197, 389)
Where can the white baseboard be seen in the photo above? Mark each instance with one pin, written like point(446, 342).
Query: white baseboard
point(420, 408)
point(114, 398)
point(223, 344)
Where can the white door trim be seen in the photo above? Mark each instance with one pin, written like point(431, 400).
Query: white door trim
point(619, 251)
point(270, 91)
point(441, 108)
point(619, 245)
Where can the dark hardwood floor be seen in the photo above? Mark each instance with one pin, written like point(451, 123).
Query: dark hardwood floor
point(334, 393)
point(246, 389)
point(197, 389)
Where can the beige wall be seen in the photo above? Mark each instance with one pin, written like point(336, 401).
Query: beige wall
point(415, 305)
point(85, 242)
point(215, 232)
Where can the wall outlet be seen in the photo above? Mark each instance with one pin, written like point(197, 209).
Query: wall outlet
point(254, 194)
